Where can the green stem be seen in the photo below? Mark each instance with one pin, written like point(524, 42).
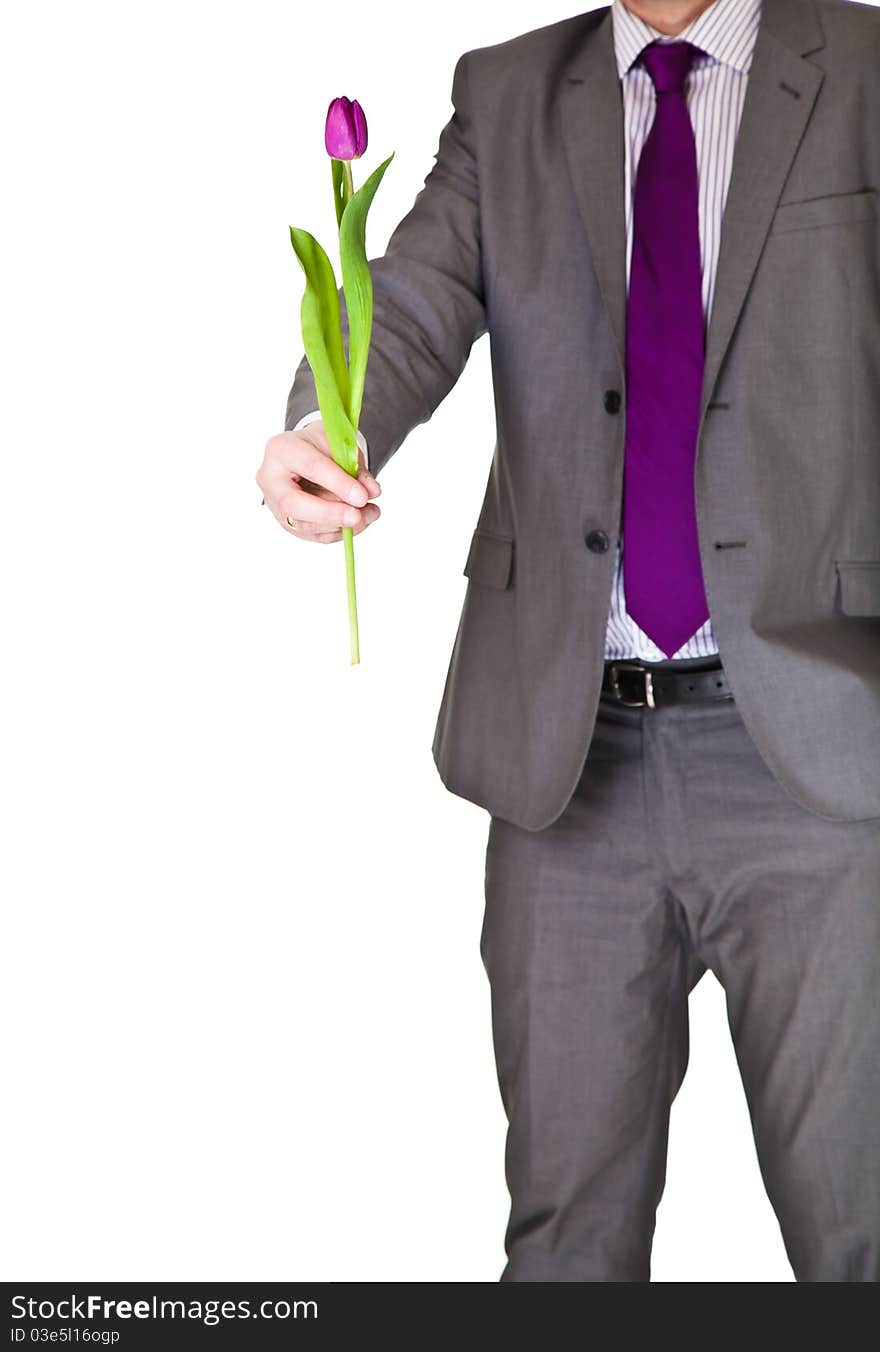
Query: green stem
point(347, 536)
point(348, 543)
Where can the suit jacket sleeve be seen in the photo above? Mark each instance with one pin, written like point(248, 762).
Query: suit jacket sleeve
point(428, 306)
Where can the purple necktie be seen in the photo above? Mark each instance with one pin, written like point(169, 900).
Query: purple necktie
point(664, 368)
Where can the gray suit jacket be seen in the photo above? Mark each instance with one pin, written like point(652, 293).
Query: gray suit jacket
point(519, 232)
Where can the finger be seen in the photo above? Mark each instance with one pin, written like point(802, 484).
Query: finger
point(326, 537)
point(327, 513)
point(316, 490)
point(372, 485)
point(315, 433)
point(369, 484)
point(282, 519)
point(306, 460)
point(304, 530)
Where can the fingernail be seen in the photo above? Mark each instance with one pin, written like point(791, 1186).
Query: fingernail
point(351, 518)
point(358, 495)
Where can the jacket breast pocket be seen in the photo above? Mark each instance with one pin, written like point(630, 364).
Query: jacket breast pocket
point(859, 586)
point(836, 209)
point(490, 559)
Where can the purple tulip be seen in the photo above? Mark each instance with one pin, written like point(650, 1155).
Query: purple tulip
point(345, 132)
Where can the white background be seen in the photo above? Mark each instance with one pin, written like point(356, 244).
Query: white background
point(246, 1026)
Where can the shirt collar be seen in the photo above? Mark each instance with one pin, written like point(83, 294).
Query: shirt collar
point(726, 29)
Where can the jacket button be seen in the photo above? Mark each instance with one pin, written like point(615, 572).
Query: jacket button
point(612, 401)
point(597, 541)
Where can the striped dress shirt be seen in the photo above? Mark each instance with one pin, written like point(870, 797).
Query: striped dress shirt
point(726, 31)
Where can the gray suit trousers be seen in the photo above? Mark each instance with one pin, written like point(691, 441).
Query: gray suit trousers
point(680, 852)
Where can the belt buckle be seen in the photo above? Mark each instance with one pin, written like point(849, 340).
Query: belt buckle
point(649, 684)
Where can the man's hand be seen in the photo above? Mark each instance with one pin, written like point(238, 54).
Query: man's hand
point(301, 480)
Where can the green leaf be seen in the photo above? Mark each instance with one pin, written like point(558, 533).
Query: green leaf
point(322, 338)
point(357, 284)
point(338, 171)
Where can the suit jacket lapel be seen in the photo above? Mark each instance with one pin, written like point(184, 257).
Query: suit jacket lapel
point(591, 125)
point(780, 97)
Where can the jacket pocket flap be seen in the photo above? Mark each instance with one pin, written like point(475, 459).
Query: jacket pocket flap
point(833, 210)
point(859, 586)
point(490, 558)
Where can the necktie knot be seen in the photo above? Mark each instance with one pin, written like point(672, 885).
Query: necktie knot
point(668, 64)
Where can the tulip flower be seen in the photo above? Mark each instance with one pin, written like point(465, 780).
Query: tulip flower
point(345, 131)
point(339, 382)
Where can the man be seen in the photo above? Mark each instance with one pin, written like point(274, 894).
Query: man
point(665, 685)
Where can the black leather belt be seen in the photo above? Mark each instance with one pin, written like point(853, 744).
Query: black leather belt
point(636, 683)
